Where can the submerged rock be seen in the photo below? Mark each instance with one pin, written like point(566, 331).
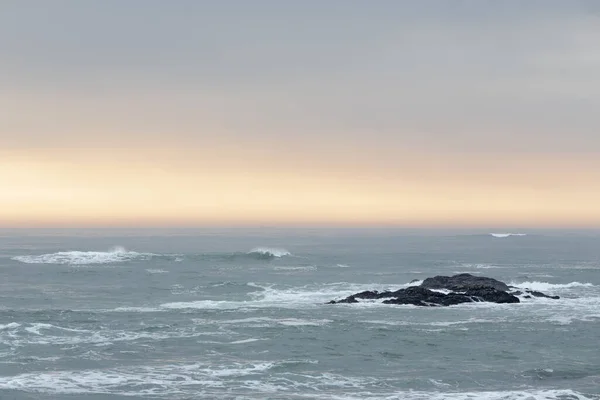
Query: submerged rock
point(464, 288)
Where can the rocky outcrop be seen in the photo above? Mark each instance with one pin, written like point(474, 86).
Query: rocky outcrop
point(462, 288)
point(463, 282)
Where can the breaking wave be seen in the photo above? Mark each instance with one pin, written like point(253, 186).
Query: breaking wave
point(252, 380)
point(295, 297)
point(505, 235)
point(113, 256)
point(543, 286)
point(268, 252)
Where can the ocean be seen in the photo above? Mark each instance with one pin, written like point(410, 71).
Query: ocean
point(241, 314)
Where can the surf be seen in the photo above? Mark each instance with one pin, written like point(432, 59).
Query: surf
point(115, 255)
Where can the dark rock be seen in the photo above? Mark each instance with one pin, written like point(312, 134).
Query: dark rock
point(535, 293)
point(485, 293)
point(465, 288)
point(372, 295)
point(462, 282)
point(420, 296)
point(350, 299)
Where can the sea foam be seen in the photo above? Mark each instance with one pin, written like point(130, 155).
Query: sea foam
point(505, 235)
point(269, 296)
point(115, 255)
point(240, 380)
point(545, 286)
point(270, 252)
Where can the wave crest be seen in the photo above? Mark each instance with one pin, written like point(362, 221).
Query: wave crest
point(505, 235)
point(545, 286)
point(114, 255)
point(269, 252)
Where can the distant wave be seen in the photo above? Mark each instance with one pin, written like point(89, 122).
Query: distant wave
point(115, 255)
point(156, 271)
point(269, 252)
point(298, 268)
point(505, 235)
point(120, 255)
point(545, 286)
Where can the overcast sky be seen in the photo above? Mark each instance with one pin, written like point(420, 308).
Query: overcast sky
point(425, 92)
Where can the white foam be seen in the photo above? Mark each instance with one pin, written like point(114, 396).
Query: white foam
point(47, 334)
point(551, 394)
point(505, 235)
point(262, 322)
point(256, 379)
point(443, 291)
point(303, 322)
point(296, 297)
point(342, 266)
point(142, 381)
point(36, 328)
point(481, 266)
point(439, 383)
point(433, 323)
point(246, 341)
point(136, 309)
point(270, 252)
point(156, 271)
point(115, 255)
point(542, 286)
point(299, 268)
point(12, 325)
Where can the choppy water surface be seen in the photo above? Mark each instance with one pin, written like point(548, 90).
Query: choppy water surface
point(240, 314)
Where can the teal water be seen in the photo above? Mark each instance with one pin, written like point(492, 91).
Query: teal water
point(240, 314)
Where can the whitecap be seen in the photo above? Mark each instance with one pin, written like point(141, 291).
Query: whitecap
point(156, 271)
point(545, 286)
point(439, 383)
point(263, 322)
point(268, 296)
point(505, 235)
point(303, 322)
point(270, 252)
point(298, 268)
point(223, 380)
point(247, 341)
point(115, 255)
point(135, 309)
point(12, 325)
point(165, 380)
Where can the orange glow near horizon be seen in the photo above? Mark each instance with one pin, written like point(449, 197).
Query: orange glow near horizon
point(110, 187)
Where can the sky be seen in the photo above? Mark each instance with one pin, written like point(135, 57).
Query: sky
point(339, 112)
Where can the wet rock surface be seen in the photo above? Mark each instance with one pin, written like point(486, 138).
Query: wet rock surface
point(462, 288)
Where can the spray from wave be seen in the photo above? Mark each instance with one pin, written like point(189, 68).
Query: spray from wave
point(545, 286)
point(113, 256)
point(271, 296)
point(505, 235)
point(268, 252)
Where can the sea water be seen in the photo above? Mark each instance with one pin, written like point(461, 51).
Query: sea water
point(241, 314)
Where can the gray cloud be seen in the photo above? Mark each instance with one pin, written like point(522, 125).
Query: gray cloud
point(453, 76)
